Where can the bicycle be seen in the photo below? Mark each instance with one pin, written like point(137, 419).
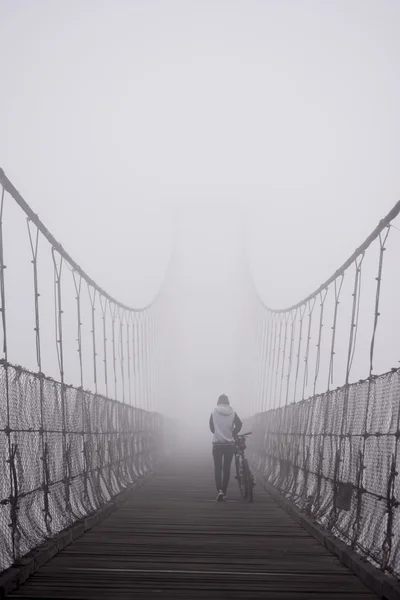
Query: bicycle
point(244, 475)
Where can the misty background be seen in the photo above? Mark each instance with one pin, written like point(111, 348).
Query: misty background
point(213, 130)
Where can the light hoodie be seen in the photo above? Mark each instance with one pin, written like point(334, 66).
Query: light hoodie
point(224, 423)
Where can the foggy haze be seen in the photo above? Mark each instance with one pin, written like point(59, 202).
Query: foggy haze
point(136, 128)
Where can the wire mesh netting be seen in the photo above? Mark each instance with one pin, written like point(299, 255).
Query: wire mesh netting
point(64, 452)
point(336, 456)
point(326, 431)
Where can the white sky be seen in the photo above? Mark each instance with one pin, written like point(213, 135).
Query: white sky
point(116, 115)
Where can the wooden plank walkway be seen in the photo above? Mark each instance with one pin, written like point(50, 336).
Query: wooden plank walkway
point(171, 540)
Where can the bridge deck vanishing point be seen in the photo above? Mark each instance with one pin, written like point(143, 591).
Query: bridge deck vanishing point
point(171, 540)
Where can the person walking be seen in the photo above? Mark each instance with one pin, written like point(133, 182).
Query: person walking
point(225, 425)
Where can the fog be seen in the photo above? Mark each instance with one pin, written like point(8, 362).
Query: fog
point(209, 131)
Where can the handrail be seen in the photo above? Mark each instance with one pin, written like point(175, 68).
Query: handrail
point(392, 214)
point(9, 187)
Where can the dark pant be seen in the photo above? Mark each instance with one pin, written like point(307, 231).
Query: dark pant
point(223, 455)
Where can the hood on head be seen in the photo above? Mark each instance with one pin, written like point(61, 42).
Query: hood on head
point(224, 409)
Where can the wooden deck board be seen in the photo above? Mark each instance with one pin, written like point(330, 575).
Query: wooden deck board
point(171, 540)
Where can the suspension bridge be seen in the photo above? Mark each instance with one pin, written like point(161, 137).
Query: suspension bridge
point(96, 499)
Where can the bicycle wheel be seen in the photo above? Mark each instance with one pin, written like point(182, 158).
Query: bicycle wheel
point(240, 475)
point(248, 481)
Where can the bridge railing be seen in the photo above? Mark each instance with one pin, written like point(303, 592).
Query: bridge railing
point(336, 456)
point(64, 453)
point(327, 420)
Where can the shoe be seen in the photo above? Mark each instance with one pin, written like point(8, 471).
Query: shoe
point(220, 496)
